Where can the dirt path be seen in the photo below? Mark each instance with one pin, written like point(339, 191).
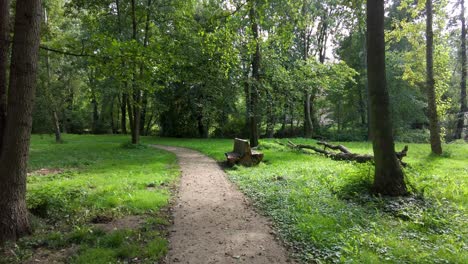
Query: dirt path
point(213, 221)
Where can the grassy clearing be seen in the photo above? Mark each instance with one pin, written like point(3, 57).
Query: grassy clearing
point(323, 210)
point(95, 180)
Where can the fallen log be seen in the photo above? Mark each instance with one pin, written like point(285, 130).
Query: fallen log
point(344, 154)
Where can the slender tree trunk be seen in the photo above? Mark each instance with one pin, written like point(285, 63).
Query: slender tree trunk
point(58, 134)
point(143, 113)
point(130, 111)
point(136, 109)
point(14, 157)
point(136, 117)
point(389, 177)
point(256, 60)
point(247, 98)
point(113, 128)
point(53, 105)
point(434, 127)
point(291, 122)
point(4, 51)
point(463, 105)
point(143, 102)
point(95, 110)
point(123, 116)
point(308, 126)
point(148, 125)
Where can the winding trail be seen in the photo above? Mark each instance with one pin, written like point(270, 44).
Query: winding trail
point(213, 220)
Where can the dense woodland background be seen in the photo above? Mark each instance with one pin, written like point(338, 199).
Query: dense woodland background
point(209, 68)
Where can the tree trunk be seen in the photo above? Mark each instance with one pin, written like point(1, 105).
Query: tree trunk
point(130, 111)
point(4, 50)
point(434, 128)
point(95, 110)
point(136, 108)
point(256, 60)
point(463, 106)
point(389, 177)
point(247, 97)
point(143, 113)
point(14, 221)
point(123, 116)
point(308, 126)
point(58, 134)
point(53, 105)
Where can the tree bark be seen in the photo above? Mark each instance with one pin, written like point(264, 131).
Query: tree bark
point(256, 60)
point(389, 177)
point(136, 108)
point(308, 126)
point(434, 127)
point(14, 221)
point(463, 105)
point(123, 116)
point(53, 105)
point(4, 50)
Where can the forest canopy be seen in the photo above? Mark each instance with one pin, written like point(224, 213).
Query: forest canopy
point(185, 68)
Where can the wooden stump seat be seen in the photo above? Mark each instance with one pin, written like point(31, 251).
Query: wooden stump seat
point(243, 154)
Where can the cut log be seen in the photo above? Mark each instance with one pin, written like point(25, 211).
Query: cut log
point(243, 154)
point(344, 154)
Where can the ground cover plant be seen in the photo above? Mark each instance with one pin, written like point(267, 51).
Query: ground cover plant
point(324, 211)
point(94, 199)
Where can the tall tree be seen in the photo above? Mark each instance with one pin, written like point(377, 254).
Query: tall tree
point(4, 48)
point(256, 60)
point(463, 106)
point(434, 127)
point(389, 177)
point(15, 153)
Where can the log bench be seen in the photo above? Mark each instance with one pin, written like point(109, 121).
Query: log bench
point(243, 154)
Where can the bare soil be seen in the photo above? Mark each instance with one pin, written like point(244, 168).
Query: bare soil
point(214, 222)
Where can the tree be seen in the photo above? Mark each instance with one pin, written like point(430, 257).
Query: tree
point(15, 153)
point(463, 106)
point(4, 49)
point(389, 177)
point(256, 60)
point(434, 127)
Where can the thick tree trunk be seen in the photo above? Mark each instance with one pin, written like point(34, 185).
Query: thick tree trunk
point(434, 128)
point(4, 51)
point(389, 177)
point(15, 153)
point(256, 60)
point(463, 105)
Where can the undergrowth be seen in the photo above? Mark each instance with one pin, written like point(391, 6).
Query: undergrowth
point(325, 212)
point(101, 179)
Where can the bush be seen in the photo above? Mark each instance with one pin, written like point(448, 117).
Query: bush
point(231, 129)
point(346, 136)
point(413, 136)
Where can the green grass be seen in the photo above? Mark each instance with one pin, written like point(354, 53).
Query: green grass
point(323, 209)
point(100, 177)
